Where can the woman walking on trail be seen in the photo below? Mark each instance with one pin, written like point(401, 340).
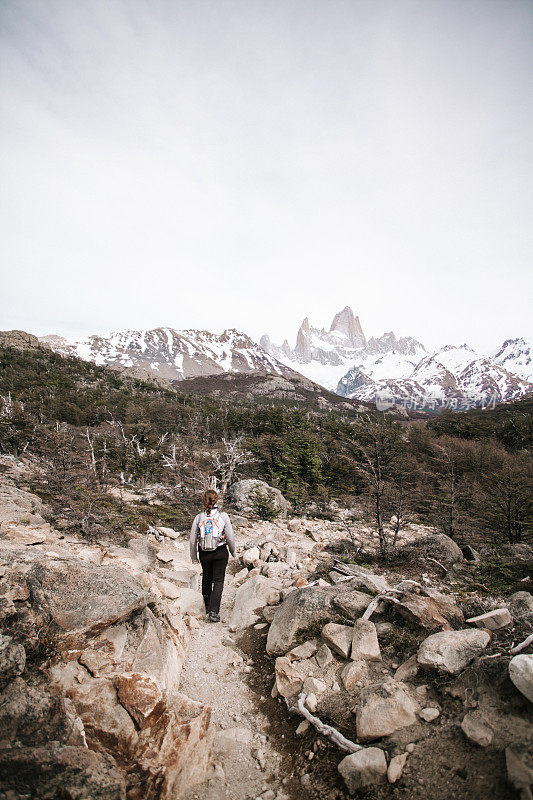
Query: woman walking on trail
point(211, 536)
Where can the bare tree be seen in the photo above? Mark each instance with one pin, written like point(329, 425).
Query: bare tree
point(377, 446)
point(233, 458)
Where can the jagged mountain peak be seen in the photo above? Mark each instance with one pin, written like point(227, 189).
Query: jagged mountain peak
point(348, 324)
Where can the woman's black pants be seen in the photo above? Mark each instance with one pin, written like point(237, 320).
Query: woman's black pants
point(214, 563)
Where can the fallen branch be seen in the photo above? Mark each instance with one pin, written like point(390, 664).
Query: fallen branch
point(326, 730)
point(434, 560)
point(522, 645)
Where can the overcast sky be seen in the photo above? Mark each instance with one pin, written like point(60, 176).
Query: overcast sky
point(245, 163)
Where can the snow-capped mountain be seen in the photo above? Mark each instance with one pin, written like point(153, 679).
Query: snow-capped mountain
point(400, 370)
point(172, 354)
point(516, 356)
point(326, 356)
point(456, 377)
point(384, 369)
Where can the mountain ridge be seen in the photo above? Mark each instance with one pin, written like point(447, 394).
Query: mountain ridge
point(341, 359)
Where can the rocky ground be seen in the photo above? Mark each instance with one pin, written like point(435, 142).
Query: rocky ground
point(112, 684)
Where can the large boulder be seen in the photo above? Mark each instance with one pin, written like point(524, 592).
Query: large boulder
point(442, 548)
point(452, 651)
point(301, 608)
point(384, 708)
point(426, 611)
point(352, 603)
point(80, 598)
point(298, 611)
point(245, 493)
point(255, 593)
point(174, 747)
point(521, 674)
point(72, 773)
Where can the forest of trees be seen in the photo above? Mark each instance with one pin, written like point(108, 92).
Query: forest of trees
point(468, 474)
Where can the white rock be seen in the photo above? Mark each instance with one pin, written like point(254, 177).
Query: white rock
point(250, 557)
point(252, 596)
point(189, 602)
point(452, 651)
point(384, 708)
point(311, 702)
point(429, 714)
point(367, 767)
point(303, 727)
point(289, 681)
point(521, 674)
point(338, 637)
point(493, 620)
point(365, 645)
point(396, 766)
point(168, 589)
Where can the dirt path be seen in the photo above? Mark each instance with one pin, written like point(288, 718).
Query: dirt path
point(246, 760)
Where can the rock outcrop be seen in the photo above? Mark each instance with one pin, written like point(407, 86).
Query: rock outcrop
point(247, 493)
point(115, 653)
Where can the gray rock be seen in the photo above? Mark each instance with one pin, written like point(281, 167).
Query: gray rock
point(79, 597)
point(365, 645)
point(367, 767)
point(520, 604)
point(407, 670)
point(384, 708)
point(362, 578)
point(443, 549)
point(305, 650)
point(452, 651)
point(56, 771)
point(519, 761)
point(243, 494)
point(251, 597)
point(352, 603)
point(476, 728)
point(12, 659)
point(521, 674)
point(299, 609)
point(338, 638)
point(323, 656)
point(396, 767)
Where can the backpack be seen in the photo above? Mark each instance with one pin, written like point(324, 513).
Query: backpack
point(211, 531)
